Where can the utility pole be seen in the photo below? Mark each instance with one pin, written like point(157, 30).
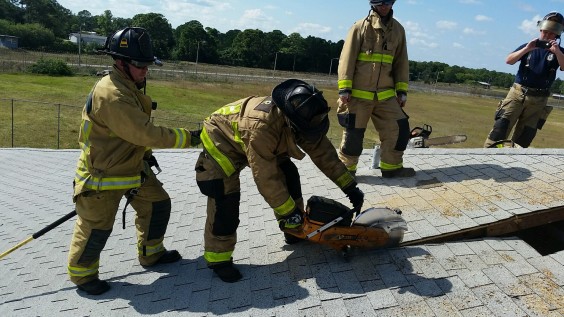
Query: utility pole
point(331, 64)
point(79, 43)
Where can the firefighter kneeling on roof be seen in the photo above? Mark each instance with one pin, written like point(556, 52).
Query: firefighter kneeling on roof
point(115, 137)
point(264, 133)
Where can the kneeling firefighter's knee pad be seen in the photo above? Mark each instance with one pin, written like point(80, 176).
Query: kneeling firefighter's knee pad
point(226, 214)
point(159, 219)
point(499, 131)
point(404, 134)
point(353, 142)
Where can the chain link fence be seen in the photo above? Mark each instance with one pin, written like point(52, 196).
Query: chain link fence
point(36, 124)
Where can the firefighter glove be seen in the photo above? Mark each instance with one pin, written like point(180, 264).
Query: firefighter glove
point(291, 220)
point(195, 137)
point(152, 161)
point(355, 195)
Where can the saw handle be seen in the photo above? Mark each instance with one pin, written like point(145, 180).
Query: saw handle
point(333, 222)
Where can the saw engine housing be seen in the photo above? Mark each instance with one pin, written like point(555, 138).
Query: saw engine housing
point(373, 228)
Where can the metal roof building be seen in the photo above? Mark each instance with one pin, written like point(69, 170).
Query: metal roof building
point(454, 191)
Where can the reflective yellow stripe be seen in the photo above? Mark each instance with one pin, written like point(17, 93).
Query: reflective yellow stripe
point(219, 157)
point(401, 86)
point(146, 250)
point(86, 128)
point(286, 208)
point(368, 95)
point(84, 271)
point(376, 58)
point(345, 84)
point(213, 257)
point(389, 167)
point(229, 109)
point(180, 138)
point(84, 178)
point(352, 168)
point(345, 179)
point(237, 136)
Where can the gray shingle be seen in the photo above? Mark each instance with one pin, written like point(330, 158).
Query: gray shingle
point(480, 277)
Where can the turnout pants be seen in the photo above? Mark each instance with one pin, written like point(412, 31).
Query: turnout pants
point(390, 121)
point(96, 213)
point(224, 195)
point(524, 112)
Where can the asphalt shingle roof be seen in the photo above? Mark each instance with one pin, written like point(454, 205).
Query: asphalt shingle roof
point(453, 190)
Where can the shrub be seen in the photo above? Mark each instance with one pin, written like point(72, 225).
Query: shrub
point(50, 66)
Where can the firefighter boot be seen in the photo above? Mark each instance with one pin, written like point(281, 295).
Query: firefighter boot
point(169, 256)
point(226, 271)
point(401, 172)
point(291, 239)
point(94, 287)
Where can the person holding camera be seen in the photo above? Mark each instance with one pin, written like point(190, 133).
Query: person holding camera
point(116, 137)
point(525, 106)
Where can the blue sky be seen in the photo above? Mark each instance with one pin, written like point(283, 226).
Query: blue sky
point(470, 33)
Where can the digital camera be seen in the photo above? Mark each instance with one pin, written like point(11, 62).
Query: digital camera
point(543, 44)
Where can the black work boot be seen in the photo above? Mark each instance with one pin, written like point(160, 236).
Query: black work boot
point(94, 287)
point(226, 271)
point(169, 256)
point(291, 239)
point(401, 172)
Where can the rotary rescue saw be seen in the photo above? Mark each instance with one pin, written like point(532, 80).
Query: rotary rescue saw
point(331, 223)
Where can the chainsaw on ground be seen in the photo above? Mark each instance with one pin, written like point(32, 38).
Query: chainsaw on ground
point(420, 138)
point(331, 223)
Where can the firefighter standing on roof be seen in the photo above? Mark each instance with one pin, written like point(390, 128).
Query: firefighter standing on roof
point(264, 133)
point(525, 106)
point(116, 136)
point(373, 81)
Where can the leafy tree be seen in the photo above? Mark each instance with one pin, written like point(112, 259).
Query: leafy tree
point(248, 48)
point(105, 23)
point(161, 32)
point(10, 11)
point(188, 35)
point(294, 45)
point(31, 36)
point(48, 13)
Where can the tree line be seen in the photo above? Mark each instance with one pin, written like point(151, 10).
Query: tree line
point(46, 25)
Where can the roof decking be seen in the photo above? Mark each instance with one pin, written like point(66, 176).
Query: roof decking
point(453, 190)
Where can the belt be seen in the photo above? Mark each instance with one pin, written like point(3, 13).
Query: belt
point(534, 92)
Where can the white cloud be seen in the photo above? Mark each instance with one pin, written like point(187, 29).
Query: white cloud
point(422, 42)
point(447, 25)
point(529, 27)
point(470, 2)
point(256, 19)
point(482, 18)
point(457, 45)
point(312, 29)
point(471, 31)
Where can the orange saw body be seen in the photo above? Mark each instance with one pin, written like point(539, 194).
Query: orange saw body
point(373, 228)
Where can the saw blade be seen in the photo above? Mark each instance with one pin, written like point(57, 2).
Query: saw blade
point(443, 140)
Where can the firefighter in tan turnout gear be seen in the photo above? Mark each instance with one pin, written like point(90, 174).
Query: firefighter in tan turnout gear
point(264, 133)
point(116, 136)
point(373, 81)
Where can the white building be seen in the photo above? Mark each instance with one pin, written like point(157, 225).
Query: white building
point(87, 37)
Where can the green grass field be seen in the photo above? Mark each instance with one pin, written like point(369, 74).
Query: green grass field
point(186, 103)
